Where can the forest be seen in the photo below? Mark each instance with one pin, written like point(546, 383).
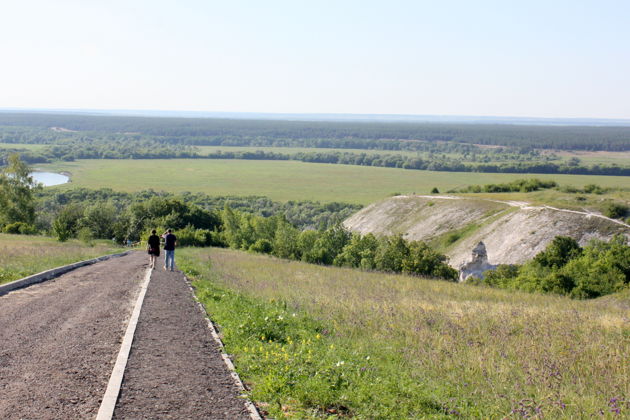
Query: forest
point(436, 156)
point(362, 135)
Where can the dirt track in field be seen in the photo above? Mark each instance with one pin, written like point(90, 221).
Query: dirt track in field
point(59, 341)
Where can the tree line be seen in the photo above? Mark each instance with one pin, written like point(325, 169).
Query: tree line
point(147, 149)
point(178, 129)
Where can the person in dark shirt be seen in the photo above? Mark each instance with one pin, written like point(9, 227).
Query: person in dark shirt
point(153, 248)
point(170, 241)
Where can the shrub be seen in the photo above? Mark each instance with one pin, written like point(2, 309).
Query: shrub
point(262, 245)
point(559, 252)
point(422, 260)
point(66, 223)
point(86, 236)
point(616, 210)
point(20, 228)
point(599, 269)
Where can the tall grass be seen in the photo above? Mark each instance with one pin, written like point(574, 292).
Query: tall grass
point(389, 346)
point(21, 256)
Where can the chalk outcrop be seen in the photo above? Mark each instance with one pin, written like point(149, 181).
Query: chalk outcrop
point(478, 265)
point(513, 232)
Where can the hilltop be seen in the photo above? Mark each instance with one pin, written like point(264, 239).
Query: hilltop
point(513, 231)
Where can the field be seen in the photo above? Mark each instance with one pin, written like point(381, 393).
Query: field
point(31, 147)
point(21, 255)
point(285, 180)
point(597, 157)
point(316, 341)
point(205, 150)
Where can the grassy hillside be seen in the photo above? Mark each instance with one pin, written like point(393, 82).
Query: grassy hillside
point(316, 342)
point(284, 180)
point(21, 256)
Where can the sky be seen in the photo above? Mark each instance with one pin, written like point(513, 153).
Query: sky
point(550, 58)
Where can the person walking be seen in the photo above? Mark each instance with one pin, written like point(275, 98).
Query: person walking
point(170, 241)
point(153, 248)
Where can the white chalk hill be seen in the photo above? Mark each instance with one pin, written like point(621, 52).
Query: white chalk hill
point(513, 232)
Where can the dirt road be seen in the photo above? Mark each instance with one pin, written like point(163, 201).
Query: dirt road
point(175, 370)
point(59, 341)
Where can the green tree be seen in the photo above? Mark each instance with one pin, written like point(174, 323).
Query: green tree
point(391, 253)
point(306, 243)
point(559, 252)
point(67, 222)
point(424, 261)
point(16, 192)
point(359, 252)
point(285, 241)
point(100, 219)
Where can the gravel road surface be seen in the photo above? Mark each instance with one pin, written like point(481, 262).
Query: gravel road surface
point(59, 340)
point(175, 369)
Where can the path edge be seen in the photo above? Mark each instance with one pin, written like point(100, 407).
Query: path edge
point(53, 273)
point(108, 403)
point(251, 407)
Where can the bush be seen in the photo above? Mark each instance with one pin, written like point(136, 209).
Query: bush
point(616, 210)
point(422, 260)
point(66, 223)
point(593, 189)
point(86, 236)
point(263, 246)
point(20, 228)
point(559, 252)
point(599, 269)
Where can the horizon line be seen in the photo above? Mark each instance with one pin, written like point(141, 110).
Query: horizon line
point(322, 116)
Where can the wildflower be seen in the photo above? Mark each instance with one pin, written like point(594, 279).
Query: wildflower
point(280, 317)
point(339, 363)
point(367, 357)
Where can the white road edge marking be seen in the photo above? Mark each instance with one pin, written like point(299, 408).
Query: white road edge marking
point(106, 411)
point(253, 411)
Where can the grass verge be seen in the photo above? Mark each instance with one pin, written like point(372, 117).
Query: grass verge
point(324, 342)
point(21, 255)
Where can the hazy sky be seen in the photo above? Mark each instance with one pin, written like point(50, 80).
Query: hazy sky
point(549, 58)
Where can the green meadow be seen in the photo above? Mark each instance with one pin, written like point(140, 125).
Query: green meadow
point(325, 342)
point(26, 146)
point(285, 180)
point(206, 150)
point(22, 255)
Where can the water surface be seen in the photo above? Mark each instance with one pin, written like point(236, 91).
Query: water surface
point(49, 179)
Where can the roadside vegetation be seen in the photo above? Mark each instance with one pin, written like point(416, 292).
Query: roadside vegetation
point(324, 342)
point(22, 255)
